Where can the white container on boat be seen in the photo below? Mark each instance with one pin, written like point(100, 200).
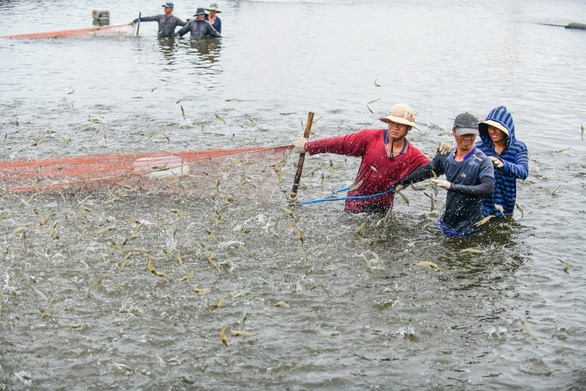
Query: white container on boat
point(100, 14)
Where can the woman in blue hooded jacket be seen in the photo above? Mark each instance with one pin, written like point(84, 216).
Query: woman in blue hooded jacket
point(510, 159)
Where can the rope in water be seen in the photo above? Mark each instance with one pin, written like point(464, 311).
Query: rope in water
point(345, 198)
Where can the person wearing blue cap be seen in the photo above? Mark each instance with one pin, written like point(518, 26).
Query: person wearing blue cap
point(199, 27)
point(510, 159)
point(167, 22)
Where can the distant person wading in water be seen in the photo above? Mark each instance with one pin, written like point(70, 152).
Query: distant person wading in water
point(213, 18)
point(167, 22)
point(199, 27)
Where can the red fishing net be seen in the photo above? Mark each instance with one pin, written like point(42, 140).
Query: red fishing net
point(249, 173)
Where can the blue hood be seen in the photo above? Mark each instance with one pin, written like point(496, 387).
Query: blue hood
point(501, 116)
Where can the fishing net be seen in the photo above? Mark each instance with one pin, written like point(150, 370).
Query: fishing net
point(244, 173)
point(120, 29)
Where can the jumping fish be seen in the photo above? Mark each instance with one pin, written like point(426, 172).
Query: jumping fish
point(223, 335)
point(242, 293)
point(182, 111)
point(219, 303)
point(202, 291)
point(361, 228)
point(42, 295)
point(566, 264)
point(165, 134)
point(520, 210)
point(179, 212)
point(326, 334)
point(483, 221)
point(151, 269)
point(356, 186)
point(281, 304)
point(367, 262)
point(220, 118)
point(500, 208)
point(299, 235)
point(428, 264)
point(472, 250)
point(188, 276)
point(242, 333)
point(404, 197)
point(107, 229)
point(432, 201)
point(288, 211)
point(211, 260)
point(52, 230)
point(209, 231)
point(93, 286)
point(526, 327)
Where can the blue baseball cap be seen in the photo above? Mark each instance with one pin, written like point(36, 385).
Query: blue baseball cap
point(168, 5)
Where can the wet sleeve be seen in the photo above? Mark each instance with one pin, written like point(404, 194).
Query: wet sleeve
point(350, 145)
point(419, 174)
point(184, 30)
point(149, 19)
point(212, 31)
point(484, 189)
point(520, 168)
point(181, 22)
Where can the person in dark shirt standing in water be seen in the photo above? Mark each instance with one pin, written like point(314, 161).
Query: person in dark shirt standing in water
point(213, 18)
point(469, 174)
point(167, 22)
point(199, 27)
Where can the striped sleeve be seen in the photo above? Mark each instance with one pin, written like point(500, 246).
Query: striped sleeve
point(516, 161)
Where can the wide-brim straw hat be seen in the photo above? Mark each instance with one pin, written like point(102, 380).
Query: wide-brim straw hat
point(214, 7)
point(497, 125)
point(401, 114)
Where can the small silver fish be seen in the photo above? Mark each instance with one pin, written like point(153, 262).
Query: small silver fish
point(500, 208)
point(223, 335)
point(472, 250)
point(526, 327)
point(428, 264)
point(483, 221)
point(219, 303)
point(220, 118)
point(566, 264)
point(520, 209)
point(326, 334)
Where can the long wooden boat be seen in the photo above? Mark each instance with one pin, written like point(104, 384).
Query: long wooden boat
point(242, 172)
point(88, 32)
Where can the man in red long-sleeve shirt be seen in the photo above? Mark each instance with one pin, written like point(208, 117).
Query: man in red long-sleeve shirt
point(386, 155)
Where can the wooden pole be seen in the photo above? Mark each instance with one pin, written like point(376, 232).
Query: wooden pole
point(138, 23)
point(301, 160)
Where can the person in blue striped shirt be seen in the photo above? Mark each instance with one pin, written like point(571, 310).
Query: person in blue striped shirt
point(510, 159)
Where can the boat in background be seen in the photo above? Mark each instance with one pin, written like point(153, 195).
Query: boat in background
point(248, 173)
